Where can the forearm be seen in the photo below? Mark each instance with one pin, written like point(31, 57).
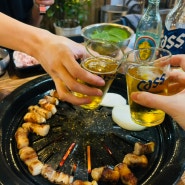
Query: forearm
point(19, 36)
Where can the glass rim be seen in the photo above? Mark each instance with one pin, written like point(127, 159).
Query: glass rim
point(134, 52)
point(151, 48)
point(101, 41)
point(100, 72)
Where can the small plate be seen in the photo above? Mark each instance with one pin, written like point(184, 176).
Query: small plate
point(25, 71)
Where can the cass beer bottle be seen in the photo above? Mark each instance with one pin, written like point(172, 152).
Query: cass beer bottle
point(174, 31)
point(149, 29)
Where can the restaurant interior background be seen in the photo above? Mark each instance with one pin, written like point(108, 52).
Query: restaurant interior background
point(113, 10)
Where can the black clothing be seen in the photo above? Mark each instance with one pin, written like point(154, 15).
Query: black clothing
point(18, 9)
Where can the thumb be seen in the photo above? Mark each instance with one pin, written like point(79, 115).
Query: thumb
point(154, 101)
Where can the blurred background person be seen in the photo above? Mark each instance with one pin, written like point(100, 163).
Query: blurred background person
point(26, 11)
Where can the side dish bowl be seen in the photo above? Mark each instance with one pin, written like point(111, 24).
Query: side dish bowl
point(113, 32)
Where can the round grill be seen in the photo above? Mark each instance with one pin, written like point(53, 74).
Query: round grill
point(95, 129)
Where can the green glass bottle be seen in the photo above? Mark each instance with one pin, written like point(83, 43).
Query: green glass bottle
point(149, 29)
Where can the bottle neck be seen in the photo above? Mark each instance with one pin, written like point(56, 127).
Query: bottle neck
point(176, 17)
point(154, 1)
point(153, 6)
point(178, 11)
point(180, 3)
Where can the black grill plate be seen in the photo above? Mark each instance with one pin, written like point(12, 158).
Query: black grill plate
point(94, 128)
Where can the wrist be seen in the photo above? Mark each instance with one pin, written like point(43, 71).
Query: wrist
point(38, 41)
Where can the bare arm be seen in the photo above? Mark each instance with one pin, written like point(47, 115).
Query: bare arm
point(56, 54)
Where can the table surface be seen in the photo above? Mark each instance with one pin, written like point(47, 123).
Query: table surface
point(9, 82)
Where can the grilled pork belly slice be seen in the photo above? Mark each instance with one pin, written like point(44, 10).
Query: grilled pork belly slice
point(43, 112)
point(48, 106)
point(56, 177)
point(34, 117)
point(80, 182)
point(29, 156)
point(35, 167)
point(63, 178)
point(133, 160)
point(21, 137)
point(126, 175)
point(39, 129)
point(97, 173)
point(105, 174)
point(54, 93)
point(51, 99)
point(48, 172)
point(141, 149)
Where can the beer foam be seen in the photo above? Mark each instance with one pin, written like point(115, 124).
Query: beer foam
point(121, 116)
point(112, 100)
point(148, 73)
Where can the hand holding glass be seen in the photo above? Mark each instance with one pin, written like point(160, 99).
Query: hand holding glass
point(147, 70)
point(104, 60)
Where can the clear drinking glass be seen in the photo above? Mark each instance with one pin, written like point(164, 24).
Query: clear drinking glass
point(147, 70)
point(104, 60)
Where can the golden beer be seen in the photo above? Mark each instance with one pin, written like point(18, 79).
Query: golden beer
point(150, 79)
point(105, 67)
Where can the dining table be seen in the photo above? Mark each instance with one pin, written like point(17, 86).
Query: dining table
point(9, 82)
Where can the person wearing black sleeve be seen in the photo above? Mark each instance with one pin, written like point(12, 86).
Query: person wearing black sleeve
point(26, 11)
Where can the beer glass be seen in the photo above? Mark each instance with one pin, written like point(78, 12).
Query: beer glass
point(147, 70)
point(104, 60)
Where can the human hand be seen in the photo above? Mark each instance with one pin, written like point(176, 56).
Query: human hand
point(56, 54)
point(173, 105)
point(58, 57)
